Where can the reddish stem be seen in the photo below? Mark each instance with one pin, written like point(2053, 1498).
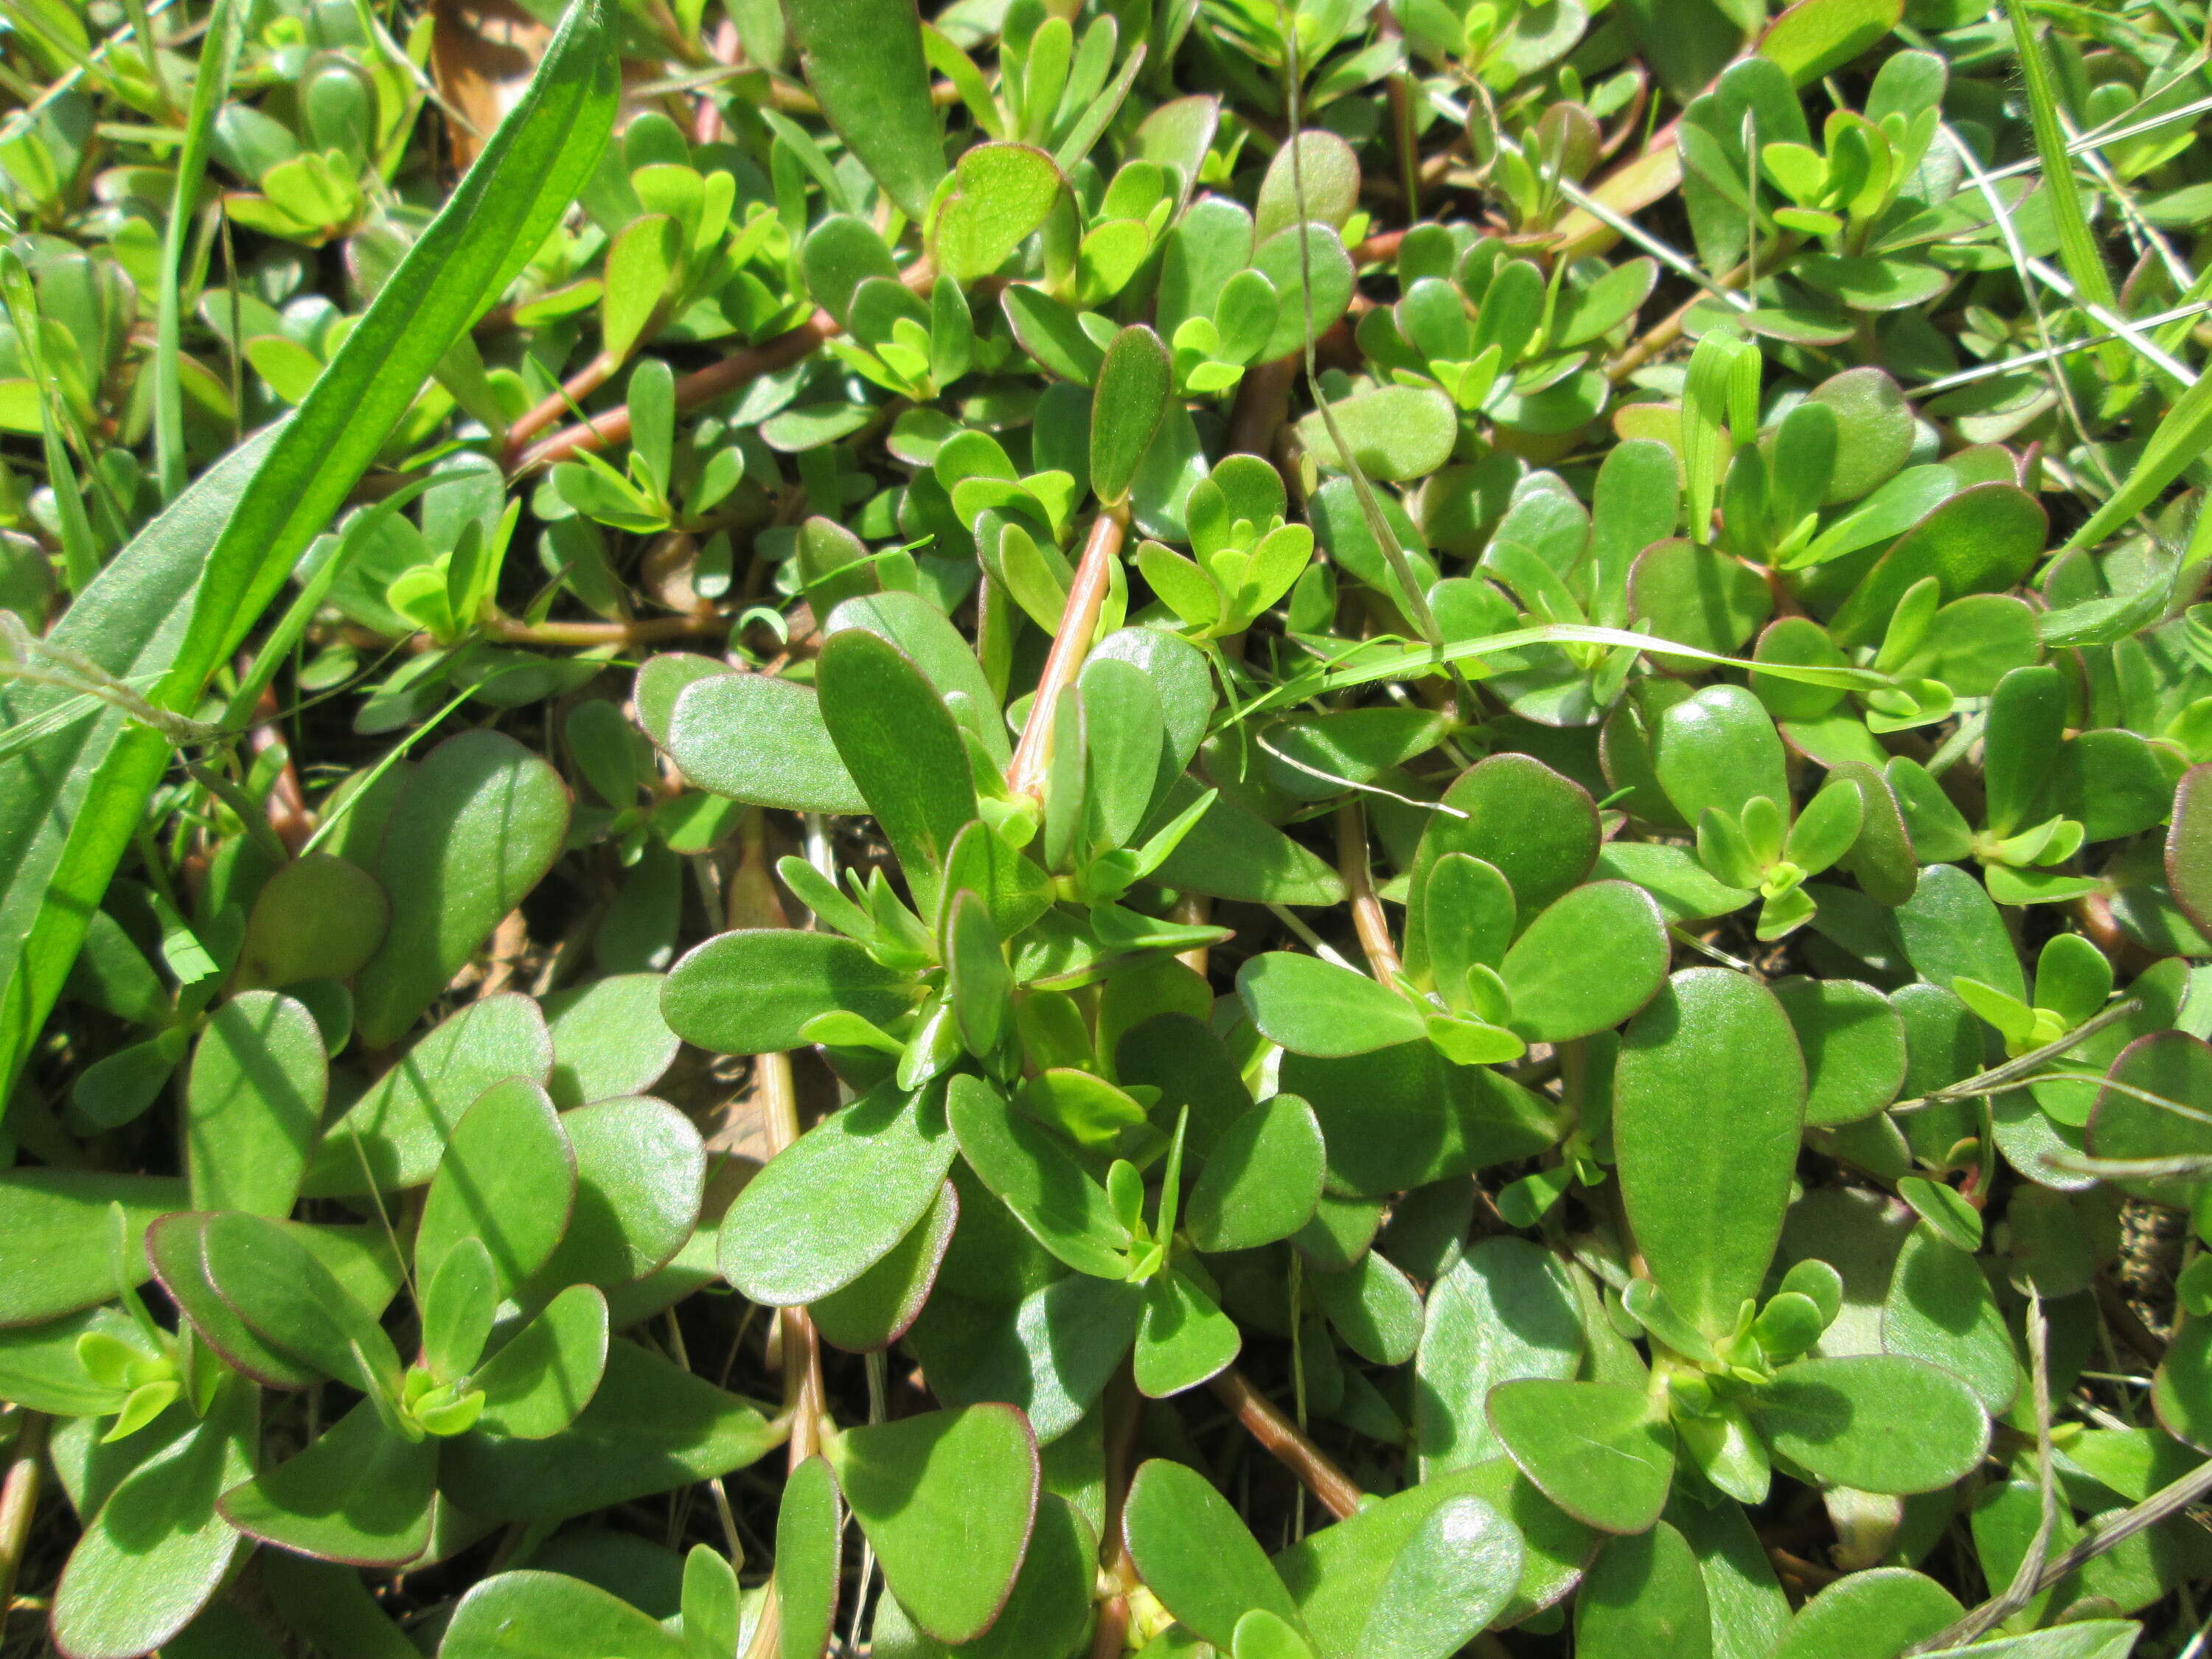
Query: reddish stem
point(574, 390)
point(701, 386)
point(1288, 1444)
point(1071, 643)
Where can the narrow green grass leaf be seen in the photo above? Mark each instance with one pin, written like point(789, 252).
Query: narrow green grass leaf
point(2077, 247)
point(210, 86)
point(2181, 437)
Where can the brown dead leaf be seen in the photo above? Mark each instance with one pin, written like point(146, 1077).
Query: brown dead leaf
point(482, 53)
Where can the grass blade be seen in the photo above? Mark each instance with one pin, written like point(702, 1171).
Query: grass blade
point(2181, 437)
point(218, 58)
point(80, 548)
point(2078, 246)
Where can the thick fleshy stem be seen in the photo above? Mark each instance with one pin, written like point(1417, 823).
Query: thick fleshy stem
point(798, 1347)
point(19, 1499)
point(752, 903)
point(1123, 1407)
point(1287, 1444)
point(644, 631)
point(701, 386)
point(574, 390)
point(1368, 919)
point(1071, 644)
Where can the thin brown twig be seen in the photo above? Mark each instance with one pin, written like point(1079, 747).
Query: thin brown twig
point(2163, 1504)
point(1192, 910)
point(800, 1348)
point(753, 902)
point(1668, 329)
point(2013, 1071)
point(1287, 1444)
point(1811, 1574)
point(2023, 1588)
point(1379, 248)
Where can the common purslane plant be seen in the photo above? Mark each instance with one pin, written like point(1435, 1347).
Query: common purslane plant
point(1300, 831)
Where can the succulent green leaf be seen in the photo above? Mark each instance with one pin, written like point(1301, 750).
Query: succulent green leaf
point(1941, 1309)
point(508, 1179)
point(1981, 540)
point(547, 1372)
point(290, 1300)
point(753, 991)
point(459, 1302)
point(2164, 1065)
point(1404, 1116)
point(640, 1176)
point(1877, 1614)
point(358, 1494)
point(1034, 1175)
point(1878, 1422)
point(1183, 1337)
point(838, 1199)
point(319, 917)
point(1506, 1310)
point(1586, 963)
point(903, 750)
point(1196, 1555)
point(1644, 1596)
point(156, 1552)
point(1130, 399)
point(1373, 1306)
point(760, 740)
point(532, 1614)
point(1853, 1041)
point(948, 1499)
point(1315, 1007)
point(1000, 194)
point(810, 1552)
point(1596, 1450)
point(1719, 749)
point(877, 1309)
point(1261, 1180)
point(609, 1039)
point(1951, 930)
point(1050, 1354)
point(255, 1104)
point(475, 826)
point(1392, 432)
point(864, 60)
point(651, 1426)
point(1709, 1101)
point(395, 1133)
point(1051, 1600)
